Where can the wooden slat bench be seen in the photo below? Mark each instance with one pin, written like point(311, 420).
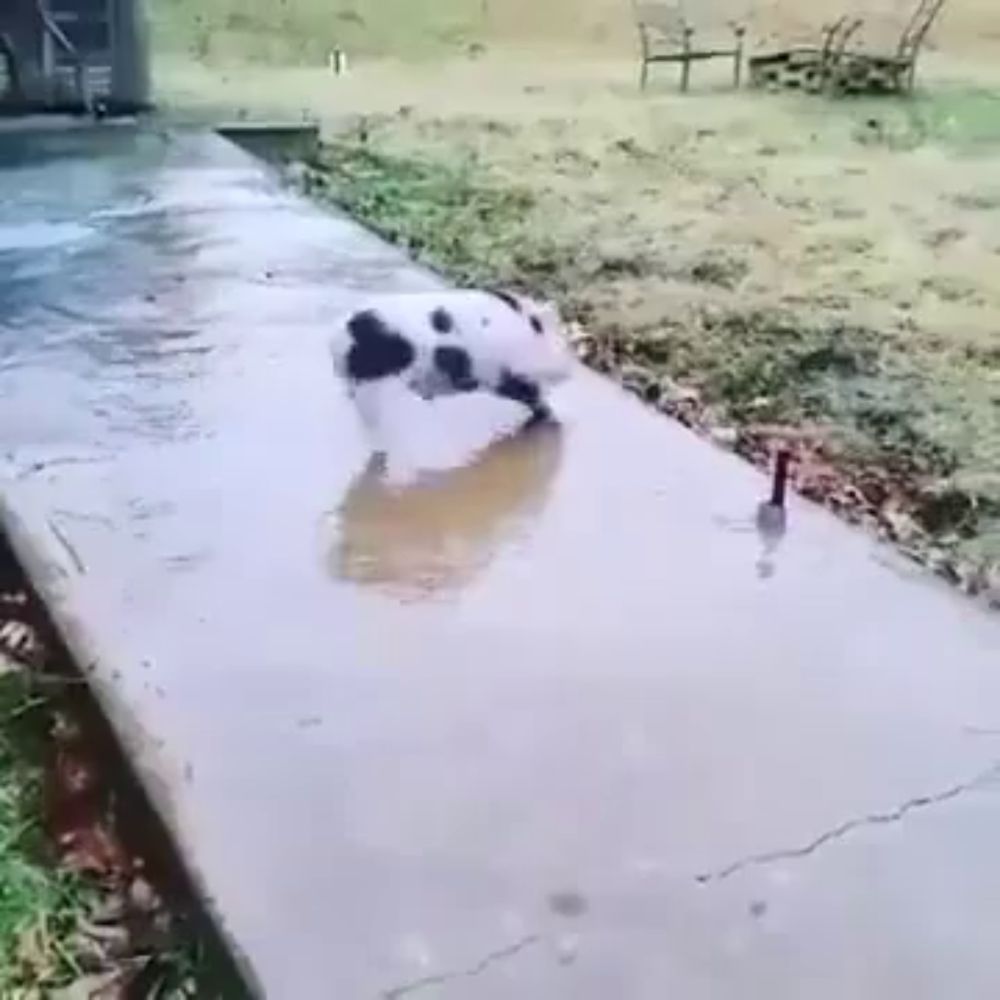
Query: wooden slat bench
point(666, 36)
point(804, 67)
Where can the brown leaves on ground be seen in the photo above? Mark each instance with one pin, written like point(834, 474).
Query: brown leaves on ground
point(131, 925)
point(77, 807)
point(20, 643)
point(119, 940)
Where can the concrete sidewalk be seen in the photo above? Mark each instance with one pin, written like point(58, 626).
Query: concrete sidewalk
point(537, 729)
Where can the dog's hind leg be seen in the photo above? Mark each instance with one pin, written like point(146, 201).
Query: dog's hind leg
point(528, 393)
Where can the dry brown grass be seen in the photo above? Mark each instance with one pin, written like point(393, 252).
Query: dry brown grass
point(302, 30)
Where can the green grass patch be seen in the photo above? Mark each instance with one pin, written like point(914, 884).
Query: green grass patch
point(448, 216)
point(965, 120)
point(39, 903)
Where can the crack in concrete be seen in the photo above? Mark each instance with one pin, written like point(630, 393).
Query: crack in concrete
point(896, 815)
point(478, 969)
point(52, 463)
point(68, 547)
point(849, 826)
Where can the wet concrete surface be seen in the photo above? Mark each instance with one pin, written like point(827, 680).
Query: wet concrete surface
point(536, 725)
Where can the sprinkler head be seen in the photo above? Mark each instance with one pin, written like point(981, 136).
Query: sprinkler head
point(771, 515)
point(779, 484)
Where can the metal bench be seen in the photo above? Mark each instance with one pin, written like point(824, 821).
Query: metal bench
point(666, 36)
point(866, 71)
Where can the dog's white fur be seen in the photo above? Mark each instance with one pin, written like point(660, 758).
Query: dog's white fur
point(526, 341)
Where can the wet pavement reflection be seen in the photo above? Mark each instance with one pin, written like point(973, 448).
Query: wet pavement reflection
point(435, 534)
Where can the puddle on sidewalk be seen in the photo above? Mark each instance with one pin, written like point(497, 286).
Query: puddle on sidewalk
point(435, 533)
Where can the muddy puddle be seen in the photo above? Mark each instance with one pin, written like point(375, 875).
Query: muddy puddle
point(437, 532)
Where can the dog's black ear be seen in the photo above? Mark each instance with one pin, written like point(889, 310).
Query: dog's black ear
point(508, 298)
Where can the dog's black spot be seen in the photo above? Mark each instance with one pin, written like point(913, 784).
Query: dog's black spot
point(442, 321)
point(377, 350)
point(523, 390)
point(536, 324)
point(456, 365)
point(506, 298)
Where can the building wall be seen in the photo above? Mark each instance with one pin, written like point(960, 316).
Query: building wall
point(125, 68)
point(19, 23)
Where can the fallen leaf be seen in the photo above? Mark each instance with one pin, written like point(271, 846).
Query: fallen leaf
point(102, 986)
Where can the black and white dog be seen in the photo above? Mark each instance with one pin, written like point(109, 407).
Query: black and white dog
point(439, 343)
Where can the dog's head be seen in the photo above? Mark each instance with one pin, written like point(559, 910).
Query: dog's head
point(536, 347)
